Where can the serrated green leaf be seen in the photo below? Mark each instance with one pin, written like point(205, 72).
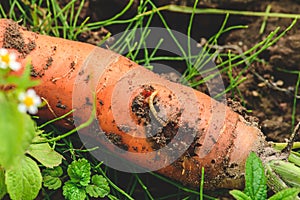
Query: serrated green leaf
point(51, 182)
point(16, 132)
point(23, 181)
point(256, 186)
point(72, 192)
point(286, 194)
point(80, 172)
point(99, 188)
point(3, 190)
point(44, 153)
point(239, 195)
point(51, 178)
point(55, 172)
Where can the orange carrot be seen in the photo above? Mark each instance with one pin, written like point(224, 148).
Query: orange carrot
point(137, 110)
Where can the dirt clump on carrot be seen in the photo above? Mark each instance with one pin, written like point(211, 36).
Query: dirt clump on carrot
point(140, 106)
point(14, 39)
point(117, 140)
point(238, 108)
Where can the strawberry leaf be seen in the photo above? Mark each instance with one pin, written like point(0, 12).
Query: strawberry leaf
point(23, 181)
point(16, 132)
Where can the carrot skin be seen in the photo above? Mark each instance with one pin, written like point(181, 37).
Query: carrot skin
point(221, 139)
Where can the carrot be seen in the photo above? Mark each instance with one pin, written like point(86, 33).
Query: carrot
point(152, 122)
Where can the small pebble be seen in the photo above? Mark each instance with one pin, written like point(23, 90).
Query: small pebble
point(262, 84)
point(255, 93)
point(279, 83)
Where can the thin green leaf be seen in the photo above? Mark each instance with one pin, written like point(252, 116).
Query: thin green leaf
point(288, 172)
point(239, 195)
point(24, 181)
point(256, 186)
point(286, 194)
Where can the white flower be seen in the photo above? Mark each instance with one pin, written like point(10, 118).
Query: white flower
point(29, 101)
point(8, 60)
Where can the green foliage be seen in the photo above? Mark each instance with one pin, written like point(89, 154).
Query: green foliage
point(283, 174)
point(256, 186)
point(78, 186)
point(16, 132)
point(99, 187)
point(24, 81)
point(256, 183)
point(51, 178)
point(239, 195)
point(43, 153)
point(80, 172)
point(73, 191)
point(286, 194)
point(20, 175)
point(80, 176)
point(24, 180)
point(3, 190)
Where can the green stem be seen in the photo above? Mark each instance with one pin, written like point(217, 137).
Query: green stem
point(288, 172)
point(201, 184)
point(184, 9)
point(56, 119)
point(263, 25)
point(106, 22)
point(282, 145)
point(112, 184)
point(81, 126)
point(273, 180)
point(144, 187)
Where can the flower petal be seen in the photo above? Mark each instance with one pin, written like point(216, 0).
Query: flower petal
point(22, 96)
point(37, 100)
point(22, 108)
point(32, 110)
point(15, 66)
point(3, 51)
point(31, 93)
point(3, 65)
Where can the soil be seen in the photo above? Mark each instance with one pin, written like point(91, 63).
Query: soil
point(268, 91)
point(14, 39)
